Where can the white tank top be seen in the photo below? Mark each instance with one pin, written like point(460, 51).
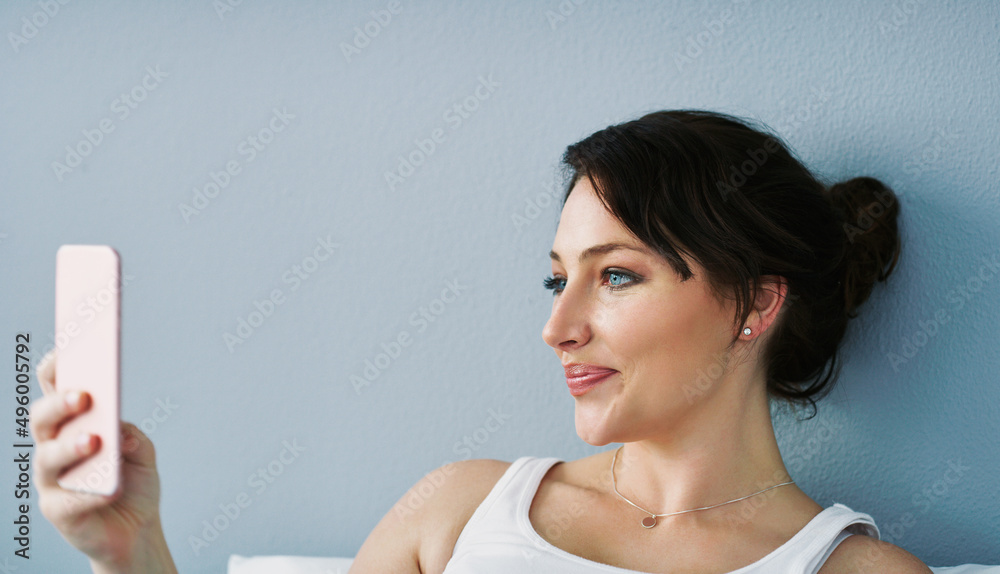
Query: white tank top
point(499, 537)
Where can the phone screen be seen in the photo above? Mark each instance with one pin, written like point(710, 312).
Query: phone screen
point(87, 336)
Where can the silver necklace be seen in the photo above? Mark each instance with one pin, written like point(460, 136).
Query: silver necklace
point(650, 521)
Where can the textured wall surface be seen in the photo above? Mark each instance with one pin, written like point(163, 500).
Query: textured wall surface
point(118, 123)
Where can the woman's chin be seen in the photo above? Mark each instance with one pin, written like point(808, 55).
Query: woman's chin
point(594, 442)
point(592, 427)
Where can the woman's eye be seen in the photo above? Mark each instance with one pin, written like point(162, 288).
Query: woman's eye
point(621, 278)
point(554, 284)
point(617, 280)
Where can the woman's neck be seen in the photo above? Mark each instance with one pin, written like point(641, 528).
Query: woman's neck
point(721, 450)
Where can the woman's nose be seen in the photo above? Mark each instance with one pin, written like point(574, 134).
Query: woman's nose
point(567, 326)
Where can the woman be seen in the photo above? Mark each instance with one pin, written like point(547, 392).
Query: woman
point(699, 271)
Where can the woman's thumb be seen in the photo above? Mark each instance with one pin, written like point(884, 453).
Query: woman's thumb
point(136, 446)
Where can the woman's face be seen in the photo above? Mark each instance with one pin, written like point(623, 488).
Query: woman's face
point(626, 309)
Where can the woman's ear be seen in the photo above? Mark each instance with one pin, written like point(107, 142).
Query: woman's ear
point(771, 298)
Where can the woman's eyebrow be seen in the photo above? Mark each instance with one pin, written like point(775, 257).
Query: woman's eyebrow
point(602, 249)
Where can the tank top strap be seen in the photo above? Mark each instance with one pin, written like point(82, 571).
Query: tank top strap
point(495, 519)
point(857, 522)
point(828, 530)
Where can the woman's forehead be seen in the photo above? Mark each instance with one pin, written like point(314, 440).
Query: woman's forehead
point(585, 221)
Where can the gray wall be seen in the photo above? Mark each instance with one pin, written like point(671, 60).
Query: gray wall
point(906, 91)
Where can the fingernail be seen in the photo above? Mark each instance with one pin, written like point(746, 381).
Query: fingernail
point(83, 442)
point(73, 399)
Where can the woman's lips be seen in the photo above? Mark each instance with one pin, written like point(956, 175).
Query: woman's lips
point(581, 384)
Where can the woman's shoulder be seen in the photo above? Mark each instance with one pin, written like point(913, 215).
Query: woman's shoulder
point(418, 534)
point(860, 553)
point(456, 489)
point(446, 498)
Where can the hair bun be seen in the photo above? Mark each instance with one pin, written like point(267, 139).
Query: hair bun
point(868, 210)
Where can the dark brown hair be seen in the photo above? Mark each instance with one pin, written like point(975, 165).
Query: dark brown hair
point(730, 194)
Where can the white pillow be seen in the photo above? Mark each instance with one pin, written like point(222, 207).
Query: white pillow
point(312, 565)
point(287, 565)
point(966, 569)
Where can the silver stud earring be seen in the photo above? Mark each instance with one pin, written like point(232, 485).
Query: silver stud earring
point(746, 331)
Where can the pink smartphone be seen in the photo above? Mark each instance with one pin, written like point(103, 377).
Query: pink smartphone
point(88, 336)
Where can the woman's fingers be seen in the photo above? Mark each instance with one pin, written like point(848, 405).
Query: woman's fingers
point(56, 455)
point(46, 372)
point(51, 411)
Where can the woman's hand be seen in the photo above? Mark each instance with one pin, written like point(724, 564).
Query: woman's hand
point(120, 532)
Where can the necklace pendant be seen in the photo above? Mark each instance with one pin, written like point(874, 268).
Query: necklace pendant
point(649, 522)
